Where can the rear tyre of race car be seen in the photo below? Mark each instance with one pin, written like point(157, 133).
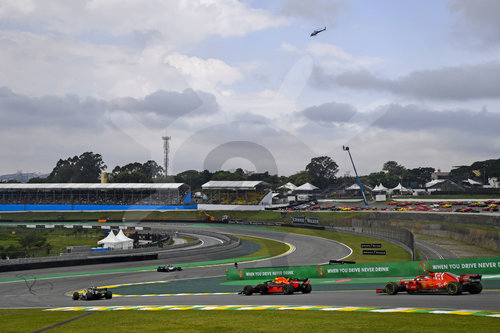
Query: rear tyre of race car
point(306, 289)
point(76, 296)
point(108, 294)
point(248, 290)
point(454, 288)
point(288, 289)
point(475, 288)
point(391, 288)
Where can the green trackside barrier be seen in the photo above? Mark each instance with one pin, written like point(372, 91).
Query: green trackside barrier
point(489, 265)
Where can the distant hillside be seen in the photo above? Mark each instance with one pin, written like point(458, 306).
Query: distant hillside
point(22, 177)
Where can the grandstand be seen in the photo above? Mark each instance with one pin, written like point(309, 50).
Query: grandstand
point(94, 194)
point(233, 194)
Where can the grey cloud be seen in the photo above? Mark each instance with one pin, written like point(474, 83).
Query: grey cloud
point(169, 104)
point(321, 10)
point(414, 118)
point(478, 18)
point(330, 112)
point(450, 83)
point(18, 110)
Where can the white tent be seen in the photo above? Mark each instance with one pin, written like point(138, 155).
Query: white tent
point(400, 188)
point(111, 241)
point(306, 187)
point(127, 243)
point(380, 188)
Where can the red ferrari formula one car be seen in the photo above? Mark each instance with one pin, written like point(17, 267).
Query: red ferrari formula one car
point(280, 285)
point(436, 282)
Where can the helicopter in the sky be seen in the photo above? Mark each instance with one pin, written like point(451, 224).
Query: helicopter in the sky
point(315, 32)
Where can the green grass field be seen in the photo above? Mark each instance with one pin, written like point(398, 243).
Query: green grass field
point(240, 321)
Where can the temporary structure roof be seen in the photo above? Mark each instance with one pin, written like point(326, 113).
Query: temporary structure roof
point(434, 182)
point(306, 187)
point(111, 241)
point(128, 243)
point(289, 186)
point(90, 186)
point(232, 185)
point(353, 187)
point(400, 188)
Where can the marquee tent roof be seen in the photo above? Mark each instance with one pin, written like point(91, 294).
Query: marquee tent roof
point(380, 188)
point(110, 240)
point(400, 188)
point(121, 236)
point(306, 187)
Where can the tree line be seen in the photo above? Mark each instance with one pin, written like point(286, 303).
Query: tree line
point(320, 171)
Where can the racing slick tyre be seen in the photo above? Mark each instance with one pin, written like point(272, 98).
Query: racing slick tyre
point(306, 289)
point(454, 288)
point(158, 269)
point(108, 295)
point(391, 288)
point(248, 290)
point(475, 288)
point(76, 296)
point(288, 289)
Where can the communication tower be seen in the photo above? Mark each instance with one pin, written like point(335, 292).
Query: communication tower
point(166, 150)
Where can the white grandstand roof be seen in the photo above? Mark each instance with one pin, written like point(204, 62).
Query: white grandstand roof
point(228, 184)
point(91, 186)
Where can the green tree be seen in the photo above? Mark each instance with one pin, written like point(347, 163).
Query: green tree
point(394, 168)
point(226, 175)
point(32, 239)
point(300, 178)
point(191, 177)
point(417, 177)
point(323, 170)
point(85, 168)
point(137, 173)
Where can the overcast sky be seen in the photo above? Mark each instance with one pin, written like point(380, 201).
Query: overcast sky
point(242, 83)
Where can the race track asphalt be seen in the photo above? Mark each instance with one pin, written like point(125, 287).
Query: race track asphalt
point(51, 291)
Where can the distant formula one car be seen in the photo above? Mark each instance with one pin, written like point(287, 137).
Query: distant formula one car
point(280, 285)
point(168, 268)
point(93, 293)
point(436, 282)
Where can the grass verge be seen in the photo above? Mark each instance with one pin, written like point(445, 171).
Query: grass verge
point(243, 321)
point(270, 248)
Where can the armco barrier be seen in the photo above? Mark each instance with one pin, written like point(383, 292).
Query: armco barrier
point(489, 265)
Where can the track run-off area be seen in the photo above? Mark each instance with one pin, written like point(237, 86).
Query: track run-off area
point(201, 285)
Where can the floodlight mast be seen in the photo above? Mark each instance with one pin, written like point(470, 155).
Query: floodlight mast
point(345, 148)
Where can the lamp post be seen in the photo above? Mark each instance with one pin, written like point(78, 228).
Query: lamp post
point(345, 148)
